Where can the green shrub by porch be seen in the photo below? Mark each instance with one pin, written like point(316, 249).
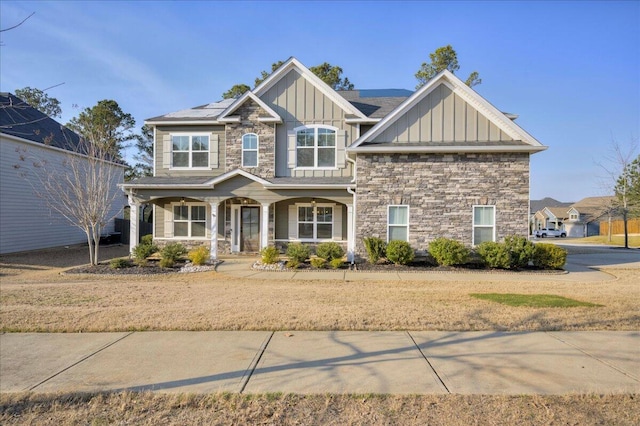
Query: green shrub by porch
point(549, 256)
point(298, 252)
point(376, 248)
point(170, 254)
point(269, 255)
point(400, 252)
point(448, 252)
point(329, 251)
point(143, 250)
point(318, 262)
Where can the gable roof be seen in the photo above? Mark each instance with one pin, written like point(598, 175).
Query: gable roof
point(293, 64)
point(226, 115)
point(536, 205)
point(21, 120)
point(522, 141)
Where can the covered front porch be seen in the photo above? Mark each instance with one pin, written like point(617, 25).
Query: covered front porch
point(243, 214)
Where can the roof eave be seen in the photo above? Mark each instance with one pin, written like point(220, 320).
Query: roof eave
point(445, 149)
point(181, 122)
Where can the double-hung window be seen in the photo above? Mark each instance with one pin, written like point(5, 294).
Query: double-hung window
point(316, 147)
point(189, 220)
point(250, 150)
point(190, 151)
point(484, 224)
point(315, 222)
point(398, 223)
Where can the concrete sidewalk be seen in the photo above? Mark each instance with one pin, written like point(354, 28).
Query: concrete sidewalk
point(319, 362)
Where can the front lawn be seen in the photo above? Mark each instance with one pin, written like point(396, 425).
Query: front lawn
point(532, 300)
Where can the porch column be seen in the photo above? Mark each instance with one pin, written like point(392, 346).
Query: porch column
point(134, 234)
point(264, 232)
point(351, 240)
point(213, 252)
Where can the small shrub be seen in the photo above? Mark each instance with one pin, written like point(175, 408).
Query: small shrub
point(520, 250)
point(298, 252)
point(400, 252)
point(147, 240)
point(336, 263)
point(494, 255)
point(318, 262)
point(376, 248)
point(199, 256)
point(293, 264)
point(448, 252)
point(143, 250)
point(269, 255)
point(119, 263)
point(329, 251)
point(549, 256)
point(170, 254)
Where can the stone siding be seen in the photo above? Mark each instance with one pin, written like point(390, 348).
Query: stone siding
point(249, 113)
point(441, 190)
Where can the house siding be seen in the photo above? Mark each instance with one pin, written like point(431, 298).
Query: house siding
point(441, 190)
point(26, 221)
point(442, 116)
point(163, 169)
point(300, 103)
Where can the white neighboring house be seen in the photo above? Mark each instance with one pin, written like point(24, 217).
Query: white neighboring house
point(26, 222)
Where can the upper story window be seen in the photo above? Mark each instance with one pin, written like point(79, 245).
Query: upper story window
point(316, 147)
point(190, 151)
point(573, 216)
point(250, 150)
point(484, 224)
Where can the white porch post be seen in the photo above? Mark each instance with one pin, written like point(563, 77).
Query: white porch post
point(264, 232)
point(213, 253)
point(134, 235)
point(351, 240)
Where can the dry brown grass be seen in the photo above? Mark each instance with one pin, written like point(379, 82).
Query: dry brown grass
point(42, 300)
point(276, 409)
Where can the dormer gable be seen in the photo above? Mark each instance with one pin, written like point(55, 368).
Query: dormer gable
point(445, 115)
point(270, 116)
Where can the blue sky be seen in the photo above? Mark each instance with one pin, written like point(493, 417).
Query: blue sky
point(571, 70)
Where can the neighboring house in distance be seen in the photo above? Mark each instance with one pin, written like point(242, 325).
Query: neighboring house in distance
point(295, 161)
point(580, 219)
point(26, 136)
point(539, 222)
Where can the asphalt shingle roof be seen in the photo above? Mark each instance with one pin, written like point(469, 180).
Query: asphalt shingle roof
point(17, 118)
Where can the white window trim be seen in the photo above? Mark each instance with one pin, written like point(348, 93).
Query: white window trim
point(574, 216)
point(251, 150)
point(189, 221)
point(315, 221)
point(408, 219)
point(191, 134)
point(473, 222)
point(315, 147)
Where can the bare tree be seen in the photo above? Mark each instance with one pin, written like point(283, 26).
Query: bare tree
point(617, 164)
point(82, 188)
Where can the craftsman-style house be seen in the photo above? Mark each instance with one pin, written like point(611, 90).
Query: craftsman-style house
point(295, 160)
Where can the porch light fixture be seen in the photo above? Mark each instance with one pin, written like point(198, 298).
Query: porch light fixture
point(313, 201)
point(182, 201)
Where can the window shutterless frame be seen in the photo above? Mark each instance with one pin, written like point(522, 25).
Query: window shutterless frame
point(484, 224)
point(250, 143)
point(398, 222)
point(189, 220)
point(315, 222)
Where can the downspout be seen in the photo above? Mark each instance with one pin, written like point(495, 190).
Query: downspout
point(351, 255)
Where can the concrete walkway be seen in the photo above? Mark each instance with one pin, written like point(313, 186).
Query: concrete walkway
point(425, 362)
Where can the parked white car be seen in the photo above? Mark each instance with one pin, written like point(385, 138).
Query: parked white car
point(544, 233)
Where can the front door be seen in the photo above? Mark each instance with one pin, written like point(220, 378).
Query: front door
point(250, 229)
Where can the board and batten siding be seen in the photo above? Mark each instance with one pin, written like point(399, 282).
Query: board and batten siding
point(442, 116)
point(163, 150)
point(26, 222)
point(300, 103)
